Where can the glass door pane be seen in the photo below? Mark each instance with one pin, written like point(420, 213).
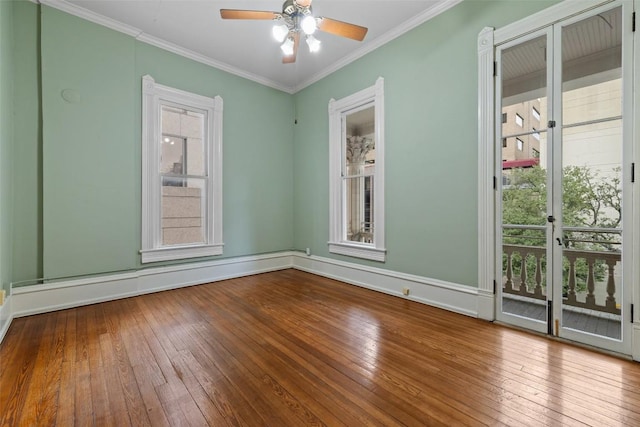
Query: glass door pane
point(592, 144)
point(523, 140)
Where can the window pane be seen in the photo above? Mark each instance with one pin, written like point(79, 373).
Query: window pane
point(523, 151)
point(359, 209)
point(592, 165)
point(172, 155)
point(182, 147)
point(591, 71)
point(182, 210)
point(195, 157)
point(360, 142)
point(524, 85)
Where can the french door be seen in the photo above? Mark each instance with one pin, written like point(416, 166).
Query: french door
point(563, 137)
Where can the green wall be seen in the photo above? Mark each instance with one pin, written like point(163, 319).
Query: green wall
point(81, 172)
point(6, 141)
point(89, 145)
point(431, 135)
point(77, 164)
point(27, 150)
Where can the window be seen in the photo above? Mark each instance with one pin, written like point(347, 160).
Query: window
point(519, 120)
point(535, 153)
point(504, 117)
point(536, 134)
point(504, 142)
point(356, 138)
point(519, 144)
point(181, 173)
point(535, 113)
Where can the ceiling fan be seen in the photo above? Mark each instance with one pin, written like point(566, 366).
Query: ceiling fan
point(295, 20)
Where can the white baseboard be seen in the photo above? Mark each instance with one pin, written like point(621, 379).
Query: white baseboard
point(59, 295)
point(635, 339)
point(486, 305)
point(5, 317)
point(74, 293)
point(449, 296)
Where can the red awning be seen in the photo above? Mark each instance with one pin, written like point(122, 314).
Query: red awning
point(522, 163)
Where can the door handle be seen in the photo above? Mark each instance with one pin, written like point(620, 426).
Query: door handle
point(559, 241)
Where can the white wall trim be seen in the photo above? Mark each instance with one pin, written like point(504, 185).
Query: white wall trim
point(358, 251)
point(154, 97)
point(372, 96)
point(71, 293)
point(635, 352)
point(486, 215)
point(379, 41)
point(60, 295)
point(438, 293)
point(63, 294)
point(178, 50)
point(5, 317)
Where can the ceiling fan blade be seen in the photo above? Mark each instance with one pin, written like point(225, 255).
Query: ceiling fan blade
point(292, 58)
point(248, 14)
point(344, 29)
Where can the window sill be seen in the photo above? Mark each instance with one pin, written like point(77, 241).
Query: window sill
point(358, 251)
point(180, 252)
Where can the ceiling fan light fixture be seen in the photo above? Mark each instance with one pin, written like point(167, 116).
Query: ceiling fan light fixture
point(308, 24)
point(280, 32)
point(287, 46)
point(313, 43)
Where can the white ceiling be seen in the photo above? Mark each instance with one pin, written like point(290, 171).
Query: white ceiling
point(194, 28)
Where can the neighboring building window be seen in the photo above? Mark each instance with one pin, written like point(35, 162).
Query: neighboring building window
point(536, 134)
point(504, 142)
point(181, 174)
point(535, 113)
point(504, 117)
point(536, 153)
point(356, 134)
point(519, 120)
point(519, 144)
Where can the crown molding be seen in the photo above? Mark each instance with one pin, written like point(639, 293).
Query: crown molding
point(380, 41)
point(139, 35)
point(179, 50)
point(158, 42)
point(88, 15)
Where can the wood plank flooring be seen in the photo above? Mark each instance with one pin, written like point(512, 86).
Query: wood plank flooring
point(293, 349)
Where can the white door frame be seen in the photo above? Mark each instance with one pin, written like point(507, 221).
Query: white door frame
point(488, 180)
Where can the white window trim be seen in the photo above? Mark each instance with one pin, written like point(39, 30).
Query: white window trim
point(153, 96)
point(337, 244)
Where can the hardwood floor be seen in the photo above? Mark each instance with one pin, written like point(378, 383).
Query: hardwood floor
point(291, 349)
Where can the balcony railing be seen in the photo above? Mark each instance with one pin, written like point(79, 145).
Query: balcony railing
point(516, 282)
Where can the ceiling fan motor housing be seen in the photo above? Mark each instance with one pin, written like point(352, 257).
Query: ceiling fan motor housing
point(295, 8)
point(288, 7)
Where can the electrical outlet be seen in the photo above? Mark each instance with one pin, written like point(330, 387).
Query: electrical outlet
point(308, 251)
point(405, 291)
